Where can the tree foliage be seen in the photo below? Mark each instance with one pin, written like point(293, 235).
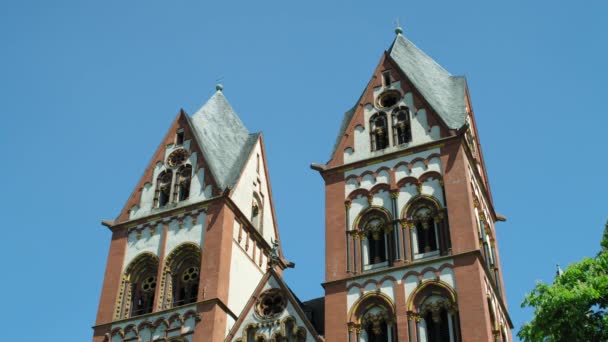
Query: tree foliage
point(574, 307)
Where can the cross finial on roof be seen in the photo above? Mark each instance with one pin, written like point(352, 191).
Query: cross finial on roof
point(398, 29)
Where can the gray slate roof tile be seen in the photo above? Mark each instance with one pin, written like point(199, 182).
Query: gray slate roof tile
point(224, 139)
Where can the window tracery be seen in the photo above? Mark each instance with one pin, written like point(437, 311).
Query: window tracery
point(138, 286)
point(181, 276)
point(378, 131)
point(271, 304)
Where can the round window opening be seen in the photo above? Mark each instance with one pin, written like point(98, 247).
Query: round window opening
point(177, 157)
point(149, 284)
point(388, 99)
point(271, 303)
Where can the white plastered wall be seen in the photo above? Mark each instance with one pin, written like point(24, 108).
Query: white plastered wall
point(245, 273)
point(253, 181)
point(188, 232)
point(147, 240)
point(421, 131)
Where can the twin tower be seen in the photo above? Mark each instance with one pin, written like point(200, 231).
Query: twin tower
point(410, 241)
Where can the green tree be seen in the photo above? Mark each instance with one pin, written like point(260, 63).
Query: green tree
point(574, 307)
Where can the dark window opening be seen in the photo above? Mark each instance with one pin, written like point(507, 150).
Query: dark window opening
point(437, 326)
point(377, 334)
point(143, 296)
point(183, 183)
point(379, 137)
point(179, 139)
point(386, 78)
point(377, 247)
point(186, 286)
point(163, 189)
point(388, 99)
point(401, 126)
point(427, 236)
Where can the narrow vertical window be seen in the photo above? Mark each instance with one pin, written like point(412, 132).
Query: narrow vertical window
point(163, 189)
point(179, 138)
point(386, 78)
point(182, 184)
point(402, 132)
point(378, 132)
point(256, 212)
point(257, 164)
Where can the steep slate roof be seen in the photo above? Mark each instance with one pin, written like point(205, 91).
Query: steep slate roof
point(224, 139)
point(444, 92)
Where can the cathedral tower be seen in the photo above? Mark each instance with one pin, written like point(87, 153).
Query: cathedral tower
point(411, 251)
point(194, 239)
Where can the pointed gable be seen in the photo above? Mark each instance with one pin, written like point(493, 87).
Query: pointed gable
point(442, 95)
point(444, 92)
point(140, 203)
point(252, 322)
point(225, 139)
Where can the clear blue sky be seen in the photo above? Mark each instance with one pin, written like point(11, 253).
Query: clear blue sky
point(89, 88)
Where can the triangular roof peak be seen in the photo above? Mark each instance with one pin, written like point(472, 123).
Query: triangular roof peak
point(444, 92)
point(224, 138)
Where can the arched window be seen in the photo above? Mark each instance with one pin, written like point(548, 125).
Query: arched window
point(374, 318)
point(375, 226)
point(256, 212)
point(138, 287)
point(434, 303)
point(182, 183)
point(378, 131)
point(402, 132)
point(163, 188)
point(181, 276)
point(429, 232)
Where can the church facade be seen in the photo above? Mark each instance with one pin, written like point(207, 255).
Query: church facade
point(411, 251)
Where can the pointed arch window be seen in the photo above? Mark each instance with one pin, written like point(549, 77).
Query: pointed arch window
point(163, 189)
point(378, 131)
point(182, 183)
point(402, 131)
